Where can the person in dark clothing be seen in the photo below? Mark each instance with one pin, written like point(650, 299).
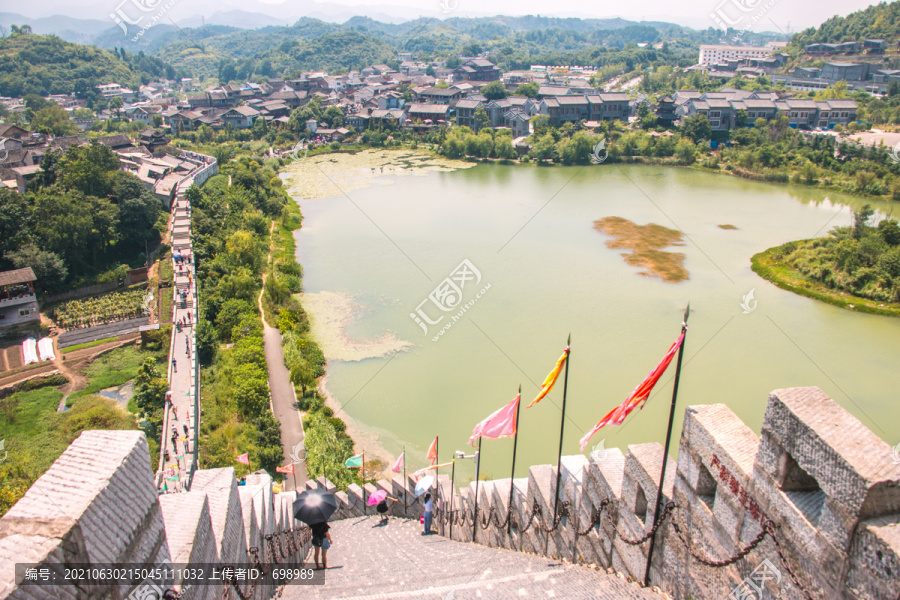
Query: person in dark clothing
point(382, 508)
point(321, 538)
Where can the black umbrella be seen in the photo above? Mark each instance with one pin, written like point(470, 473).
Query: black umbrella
point(314, 506)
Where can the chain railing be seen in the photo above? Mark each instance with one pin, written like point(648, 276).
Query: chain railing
point(599, 514)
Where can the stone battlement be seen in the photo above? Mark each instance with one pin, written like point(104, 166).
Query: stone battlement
point(813, 503)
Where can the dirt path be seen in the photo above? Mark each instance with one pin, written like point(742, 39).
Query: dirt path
point(283, 396)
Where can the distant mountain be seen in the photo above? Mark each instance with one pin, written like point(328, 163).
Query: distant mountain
point(239, 19)
point(79, 31)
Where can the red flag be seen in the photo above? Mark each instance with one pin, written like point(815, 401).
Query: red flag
point(244, 458)
point(289, 470)
point(398, 466)
point(501, 423)
point(638, 397)
point(432, 451)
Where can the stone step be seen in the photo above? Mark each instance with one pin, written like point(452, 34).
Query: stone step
point(369, 561)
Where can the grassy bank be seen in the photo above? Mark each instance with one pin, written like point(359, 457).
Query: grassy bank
point(35, 434)
point(326, 441)
point(766, 265)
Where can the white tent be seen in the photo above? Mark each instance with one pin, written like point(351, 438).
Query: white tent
point(29, 349)
point(45, 349)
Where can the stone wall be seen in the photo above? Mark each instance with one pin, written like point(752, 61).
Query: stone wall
point(824, 485)
point(810, 509)
point(97, 504)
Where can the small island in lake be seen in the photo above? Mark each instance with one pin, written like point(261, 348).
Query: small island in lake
point(646, 243)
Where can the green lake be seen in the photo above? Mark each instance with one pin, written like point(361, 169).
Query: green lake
point(543, 272)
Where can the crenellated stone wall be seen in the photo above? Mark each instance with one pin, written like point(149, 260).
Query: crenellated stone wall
point(827, 488)
point(97, 504)
point(813, 503)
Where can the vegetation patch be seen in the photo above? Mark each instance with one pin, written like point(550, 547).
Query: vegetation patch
point(854, 267)
point(645, 243)
point(727, 226)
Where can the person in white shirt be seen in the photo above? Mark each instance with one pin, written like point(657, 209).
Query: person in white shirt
point(429, 510)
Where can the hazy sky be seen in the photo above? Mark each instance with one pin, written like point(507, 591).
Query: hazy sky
point(760, 15)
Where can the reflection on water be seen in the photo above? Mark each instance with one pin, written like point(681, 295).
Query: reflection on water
point(529, 231)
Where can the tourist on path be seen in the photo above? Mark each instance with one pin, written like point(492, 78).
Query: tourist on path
point(429, 510)
point(174, 366)
point(321, 539)
point(382, 508)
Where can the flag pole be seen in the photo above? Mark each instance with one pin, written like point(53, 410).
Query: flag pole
point(452, 493)
point(562, 424)
point(437, 480)
point(477, 473)
point(405, 486)
point(363, 471)
point(665, 457)
point(512, 475)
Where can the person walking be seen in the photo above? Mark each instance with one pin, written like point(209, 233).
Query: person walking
point(429, 511)
point(174, 366)
point(321, 539)
point(382, 508)
point(185, 428)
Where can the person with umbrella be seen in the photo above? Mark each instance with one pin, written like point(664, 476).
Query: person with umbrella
point(314, 507)
point(380, 499)
point(321, 538)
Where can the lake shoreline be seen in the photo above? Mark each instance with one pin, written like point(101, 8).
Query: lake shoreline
point(764, 265)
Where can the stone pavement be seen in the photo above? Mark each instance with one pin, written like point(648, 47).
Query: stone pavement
point(373, 562)
point(183, 350)
point(283, 401)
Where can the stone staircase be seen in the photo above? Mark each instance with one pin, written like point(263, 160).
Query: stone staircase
point(370, 561)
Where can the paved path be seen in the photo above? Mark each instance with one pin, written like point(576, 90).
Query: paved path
point(284, 400)
point(180, 418)
point(374, 562)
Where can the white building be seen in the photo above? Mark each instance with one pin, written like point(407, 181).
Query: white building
point(714, 53)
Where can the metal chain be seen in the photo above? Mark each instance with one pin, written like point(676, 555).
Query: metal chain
point(728, 561)
point(596, 516)
point(666, 512)
point(785, 564)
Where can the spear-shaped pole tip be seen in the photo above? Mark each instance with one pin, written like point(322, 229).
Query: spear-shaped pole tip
point(687, 313)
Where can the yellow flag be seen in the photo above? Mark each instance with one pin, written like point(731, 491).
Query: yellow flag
point(551, 378)
point(276, 488)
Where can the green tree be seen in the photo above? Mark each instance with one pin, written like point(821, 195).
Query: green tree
point(495, 90)
point(685, 151)
point(149, 394)
point(697, 128)
point(482, 120)
point(48, 267)
point(861, 219)
point(231, 314)
point(334, 116)
point(544, 148)
point(529, 90)
point(53, 120)
point(116, 103)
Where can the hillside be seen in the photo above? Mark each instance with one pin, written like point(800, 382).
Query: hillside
point(878, 21)
point(37, 64)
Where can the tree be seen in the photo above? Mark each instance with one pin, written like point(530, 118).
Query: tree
point(150, 396)
point(90, 169)
point(741, 118)
point(116, 103)
point(529, 90)
point(544, 148)
point(230, 315)
point(685, 151)
point(697, 128)
point(53, 120)
point(48, 267)
point(861, 219)
point(482, 120)
point(334, 116)
point(495, 90)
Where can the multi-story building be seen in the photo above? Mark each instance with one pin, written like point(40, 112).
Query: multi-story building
point(723, 107)
point(477, 69)
point(715, 53)
point(18, 303)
